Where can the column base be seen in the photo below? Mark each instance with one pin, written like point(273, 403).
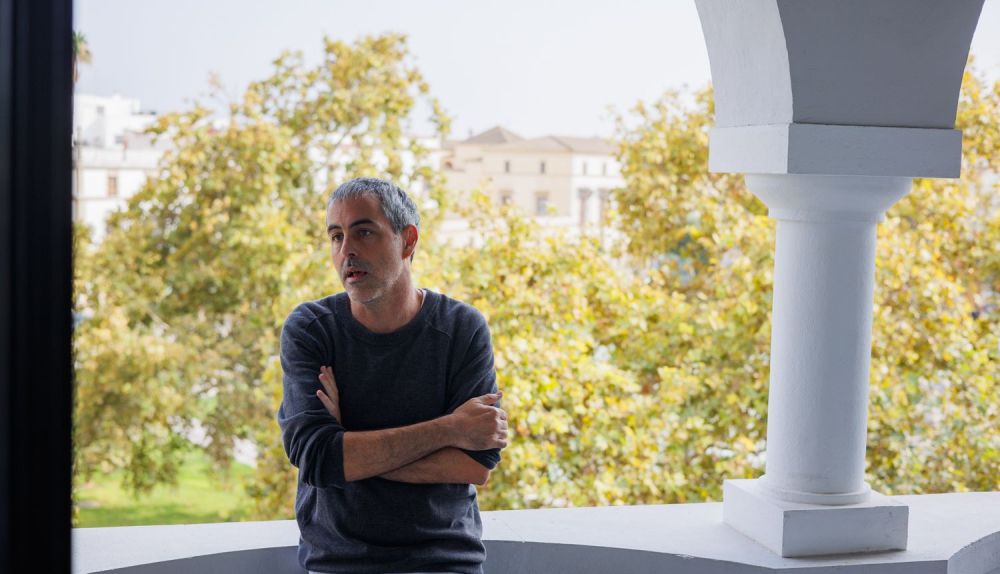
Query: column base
point(793, 529)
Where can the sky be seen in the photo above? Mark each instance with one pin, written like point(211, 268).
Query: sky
point(536, 67)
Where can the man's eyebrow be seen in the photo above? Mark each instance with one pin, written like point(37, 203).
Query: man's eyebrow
point(333, 226)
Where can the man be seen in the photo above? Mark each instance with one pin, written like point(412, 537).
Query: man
point(388, 407)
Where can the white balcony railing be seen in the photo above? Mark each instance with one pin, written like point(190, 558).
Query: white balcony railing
point(948, 534)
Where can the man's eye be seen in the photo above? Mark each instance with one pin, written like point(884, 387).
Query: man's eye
point(336, 237)
point(365, 233)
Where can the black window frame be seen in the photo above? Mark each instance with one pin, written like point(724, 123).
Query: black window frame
point(36, 272)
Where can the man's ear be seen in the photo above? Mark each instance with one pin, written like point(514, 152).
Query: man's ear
point(410, 237)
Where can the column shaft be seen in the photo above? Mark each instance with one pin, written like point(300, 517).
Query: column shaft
point(820, 356)
point(821, 327)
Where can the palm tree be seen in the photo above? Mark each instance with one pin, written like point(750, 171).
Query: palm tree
point(81, 52)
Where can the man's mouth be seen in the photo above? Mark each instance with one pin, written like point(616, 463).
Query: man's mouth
point(355, 275)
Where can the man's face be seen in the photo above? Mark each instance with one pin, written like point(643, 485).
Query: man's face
point(368, 255)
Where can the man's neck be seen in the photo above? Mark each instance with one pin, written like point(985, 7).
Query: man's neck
point(391, 312)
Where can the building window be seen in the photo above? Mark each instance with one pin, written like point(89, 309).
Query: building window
point(543, 167)
point(506, 166)
point(542, 202)
point(506, 197)
point(112, 185)
point(605, 200)
point(584, 168)
point(604, 168)
point(584, 202)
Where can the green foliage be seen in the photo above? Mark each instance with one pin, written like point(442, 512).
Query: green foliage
point(185, 297)
point(703, 245)
point(936, 349)
point(81, 48)
point(582, 432)
point(631, 375)
point(81, 53)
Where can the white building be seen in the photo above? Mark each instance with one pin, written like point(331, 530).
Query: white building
point(562, 181)
point(111, 155)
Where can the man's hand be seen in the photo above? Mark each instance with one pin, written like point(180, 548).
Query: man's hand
point(480, 426)
point(330, 398)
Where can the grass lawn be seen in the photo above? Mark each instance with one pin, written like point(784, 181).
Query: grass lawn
point(198, 497)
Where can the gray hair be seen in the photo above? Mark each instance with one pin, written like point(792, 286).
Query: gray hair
point(397, 207)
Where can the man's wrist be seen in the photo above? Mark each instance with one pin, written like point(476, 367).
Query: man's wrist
point(446, 427)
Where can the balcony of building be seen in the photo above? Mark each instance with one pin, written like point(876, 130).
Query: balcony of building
point(830, 107)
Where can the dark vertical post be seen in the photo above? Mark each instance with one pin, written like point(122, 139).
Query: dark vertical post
point(35, 285)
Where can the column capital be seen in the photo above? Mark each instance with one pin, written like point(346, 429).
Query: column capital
point(844, 198)
point(851, 87)
point(809, 149)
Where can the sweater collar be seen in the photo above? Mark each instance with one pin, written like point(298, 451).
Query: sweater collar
point(342, 310)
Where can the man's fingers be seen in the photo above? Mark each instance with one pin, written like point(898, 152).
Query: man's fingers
point(328, 373)
point(332, 408)
point(329, 384)
point(491, 398)
point(330, 388)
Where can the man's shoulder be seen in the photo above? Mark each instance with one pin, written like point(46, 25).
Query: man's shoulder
point(453, 316)
point(306, 313)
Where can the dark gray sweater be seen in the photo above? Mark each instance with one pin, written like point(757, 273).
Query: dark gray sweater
point(426, 369)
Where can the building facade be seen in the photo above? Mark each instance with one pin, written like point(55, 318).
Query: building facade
point(112, 156)
point(561, 181)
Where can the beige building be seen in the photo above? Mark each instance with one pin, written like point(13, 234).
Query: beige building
point(562, 181)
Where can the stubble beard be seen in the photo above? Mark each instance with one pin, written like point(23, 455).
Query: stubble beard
point(371, 295)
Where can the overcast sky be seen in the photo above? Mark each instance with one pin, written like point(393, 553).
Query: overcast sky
point(535, 67)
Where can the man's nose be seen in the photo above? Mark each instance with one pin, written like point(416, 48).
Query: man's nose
point(347, 247)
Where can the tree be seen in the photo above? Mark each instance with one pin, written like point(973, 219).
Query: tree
point(185, 297)
point(582, 429)
point(705, 239)
point(81, 52)
point(936, 351)
point(633, 375)
point(640, 375)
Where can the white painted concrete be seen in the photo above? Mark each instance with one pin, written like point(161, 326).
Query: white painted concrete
point(836, 150)
point(813, 498)
point(821, 331)
point(949, 534)
point(848, 62)
point(792, 529)
point(877, 63)
point(830, 107)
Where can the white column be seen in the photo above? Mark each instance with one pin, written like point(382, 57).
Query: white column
point(813, 498)
point(832, 106)
point(821, 331)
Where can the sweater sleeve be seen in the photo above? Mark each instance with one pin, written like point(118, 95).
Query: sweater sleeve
point(312, 437)
point(476, 376)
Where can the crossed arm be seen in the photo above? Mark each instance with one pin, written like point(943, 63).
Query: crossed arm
point(446, 465)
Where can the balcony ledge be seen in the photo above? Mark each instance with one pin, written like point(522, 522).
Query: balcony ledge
point(948, 534)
